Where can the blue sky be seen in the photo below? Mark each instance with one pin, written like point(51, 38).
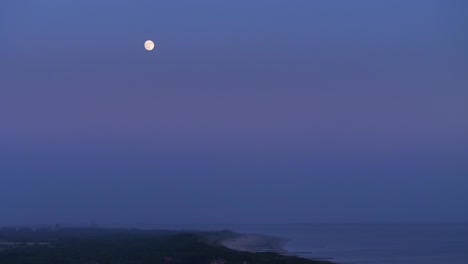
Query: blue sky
point(246, 111)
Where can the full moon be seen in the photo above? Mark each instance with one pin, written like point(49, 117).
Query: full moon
point(149, 45)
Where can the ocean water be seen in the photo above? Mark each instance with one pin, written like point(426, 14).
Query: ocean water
point(364, 243)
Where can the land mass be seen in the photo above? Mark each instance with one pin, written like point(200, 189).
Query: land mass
point(132, 246)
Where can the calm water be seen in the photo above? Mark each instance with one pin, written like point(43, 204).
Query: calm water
point(365, 243)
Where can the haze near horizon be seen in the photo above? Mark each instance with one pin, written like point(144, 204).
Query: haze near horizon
point(245, 111)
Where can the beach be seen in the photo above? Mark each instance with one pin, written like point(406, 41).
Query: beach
point(256, 243)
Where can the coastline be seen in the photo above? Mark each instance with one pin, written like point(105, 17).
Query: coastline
point(156, 246)
point(256, 243)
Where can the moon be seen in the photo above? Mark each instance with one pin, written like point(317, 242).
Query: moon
point(149, 45)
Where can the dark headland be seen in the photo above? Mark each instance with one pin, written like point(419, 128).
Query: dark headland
point(133, 246)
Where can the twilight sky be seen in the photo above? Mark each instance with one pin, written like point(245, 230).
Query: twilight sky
point(246, 111)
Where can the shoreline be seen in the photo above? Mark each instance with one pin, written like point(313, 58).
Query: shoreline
point(256, 243)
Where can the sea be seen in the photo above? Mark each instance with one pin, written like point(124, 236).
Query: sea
point(361, 243)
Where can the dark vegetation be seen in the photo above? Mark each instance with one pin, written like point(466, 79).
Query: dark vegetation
point(125, 246)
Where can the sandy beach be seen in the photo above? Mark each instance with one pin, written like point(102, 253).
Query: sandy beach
point(256, 243)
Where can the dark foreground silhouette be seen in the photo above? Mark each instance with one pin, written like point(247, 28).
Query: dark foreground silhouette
point(127, 246)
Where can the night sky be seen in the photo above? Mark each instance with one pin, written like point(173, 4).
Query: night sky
point(246, 111)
